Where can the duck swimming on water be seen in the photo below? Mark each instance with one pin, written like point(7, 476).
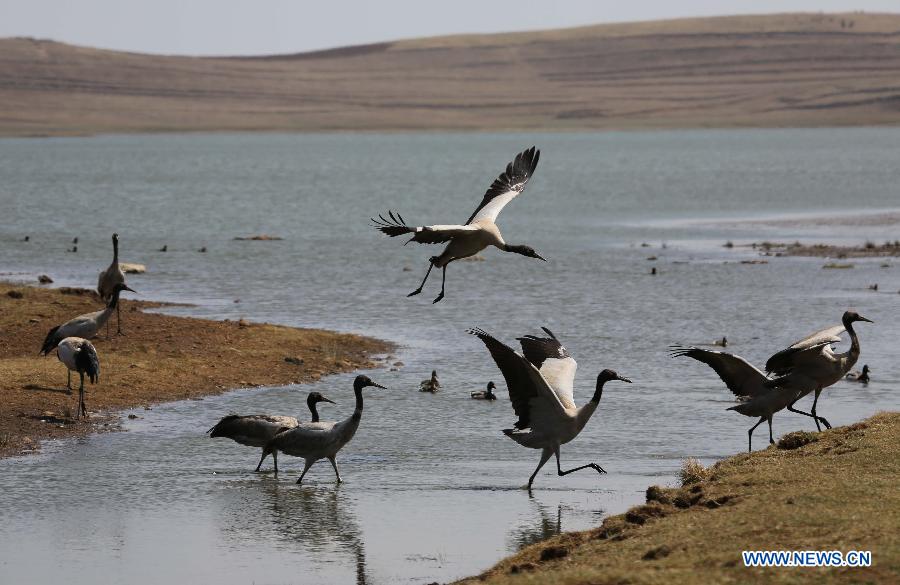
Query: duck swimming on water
point(487, 394)
point(430, 385)
point(861, 377)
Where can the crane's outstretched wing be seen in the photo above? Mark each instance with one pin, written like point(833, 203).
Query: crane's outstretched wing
point(549, 356)
point(528, 390)
point(425, 234)
point(741, 377)
point(505, 187)
point(782, 362)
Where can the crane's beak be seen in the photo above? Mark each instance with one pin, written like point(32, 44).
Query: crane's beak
point(861, 318)
point(378, 386)
point(623, 379)
point(126, 287)
point(539, 257)
point(328, 400)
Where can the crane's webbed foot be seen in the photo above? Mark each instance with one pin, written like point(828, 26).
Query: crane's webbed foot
point(597, 468)
point(824, 422)
point(439, 297)
point(415, 292)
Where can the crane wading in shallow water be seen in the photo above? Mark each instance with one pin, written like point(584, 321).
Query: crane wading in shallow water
point(811, 364)
point(747, 383)
point(540, 385)
point(256, 430)
point(109, 279)
point(479, 231)
point(322, 440)
point(79, 355)
point(86, 326)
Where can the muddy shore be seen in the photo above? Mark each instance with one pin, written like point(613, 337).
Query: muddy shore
point(160, 358)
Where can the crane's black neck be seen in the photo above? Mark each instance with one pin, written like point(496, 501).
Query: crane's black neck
point(357, 389)
point(515, 249)
point(115, 249)
point(854, 340)
point(311, 403)
point(598, 392)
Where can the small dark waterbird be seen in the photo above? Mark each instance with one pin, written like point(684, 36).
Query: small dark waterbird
point(861, 377)
point(256, 430)
point(486, 394)
point(322, 440)
point(541, 388)
point(479, 231)
point(79, 355)
point(810, 365)
point(432, 384)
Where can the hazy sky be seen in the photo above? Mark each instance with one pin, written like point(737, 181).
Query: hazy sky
point(216, 27)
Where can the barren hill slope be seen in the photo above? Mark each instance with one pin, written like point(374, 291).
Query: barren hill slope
point(772, 70)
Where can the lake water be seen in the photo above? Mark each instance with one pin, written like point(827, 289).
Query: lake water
point(431, 485)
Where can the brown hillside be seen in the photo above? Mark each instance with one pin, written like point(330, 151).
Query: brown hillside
point(774, 70)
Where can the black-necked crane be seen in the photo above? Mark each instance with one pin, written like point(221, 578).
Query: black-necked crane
point(431, 384)
point(747, 383)
point(256, 430)
point(541, 381)
point(811, 364)
point(861, 377)
point(322, 440)
point(79, 355)
point(480, 231)
point(109, 279)
point(86, 326)
point(486, 394)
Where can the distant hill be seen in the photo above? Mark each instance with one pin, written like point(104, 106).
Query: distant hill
point(771, 70)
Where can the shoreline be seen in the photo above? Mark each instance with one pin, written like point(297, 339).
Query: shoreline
point(808, 493)
point(161, 358)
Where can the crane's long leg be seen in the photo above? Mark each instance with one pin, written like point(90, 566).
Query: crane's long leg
point(771, 438)
point(275, 460)
point(810, 414)
point(336, 473)
point(545, 457)
point(118, 321)
point(69, 380)
point(560, 472)
point(761, 420)
point(813, 411)
point(418, 290)
point(82, 410)
point(261, 459)
point(309, 463)
point(443, 282)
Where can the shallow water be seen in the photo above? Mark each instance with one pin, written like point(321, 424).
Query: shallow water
point(431, 484)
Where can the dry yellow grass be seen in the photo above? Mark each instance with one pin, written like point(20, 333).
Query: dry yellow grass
point(770, 70)
point(836, 493)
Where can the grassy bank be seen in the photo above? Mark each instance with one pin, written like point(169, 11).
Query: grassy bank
point(160, 358)
point(837, 492)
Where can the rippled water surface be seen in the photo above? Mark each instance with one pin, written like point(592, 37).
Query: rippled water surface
point(430, 488)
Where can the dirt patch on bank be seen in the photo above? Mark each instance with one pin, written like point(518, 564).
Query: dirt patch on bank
point(160, 358)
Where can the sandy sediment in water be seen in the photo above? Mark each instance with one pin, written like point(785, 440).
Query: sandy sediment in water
point(838, 492)
point(866, 250)
point(160, 358)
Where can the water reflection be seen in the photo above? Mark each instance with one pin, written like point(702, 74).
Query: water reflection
point(318, 521)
